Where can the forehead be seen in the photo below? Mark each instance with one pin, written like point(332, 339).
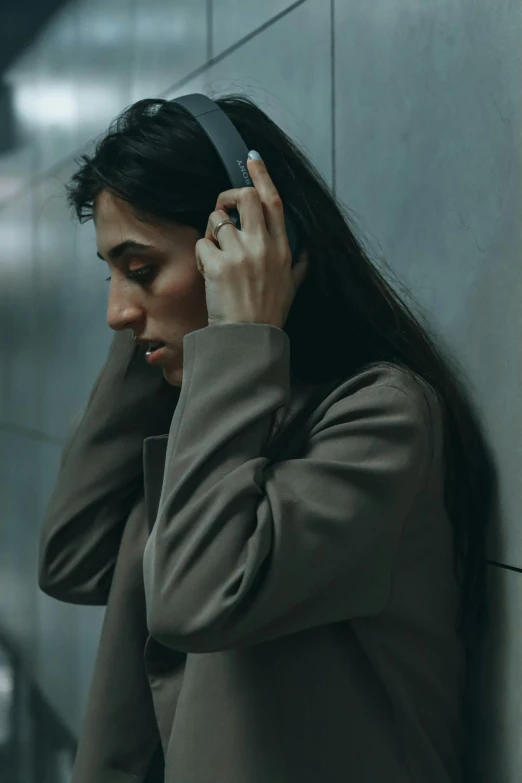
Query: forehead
point(115, 222)
point(109, 211)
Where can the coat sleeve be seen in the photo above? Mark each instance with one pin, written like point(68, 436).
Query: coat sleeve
point(244, 550)
point(101, 475)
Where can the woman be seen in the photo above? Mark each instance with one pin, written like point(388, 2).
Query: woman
point(283, 504)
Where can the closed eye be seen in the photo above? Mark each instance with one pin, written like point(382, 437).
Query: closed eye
point(144, 274)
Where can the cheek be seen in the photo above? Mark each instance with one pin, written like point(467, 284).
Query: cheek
point(182, 289)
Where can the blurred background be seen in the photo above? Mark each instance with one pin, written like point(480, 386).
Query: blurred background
point(410, 109)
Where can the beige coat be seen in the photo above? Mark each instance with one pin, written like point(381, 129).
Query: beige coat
point(276, 562)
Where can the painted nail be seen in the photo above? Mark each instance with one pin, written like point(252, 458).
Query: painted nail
point(253, 155)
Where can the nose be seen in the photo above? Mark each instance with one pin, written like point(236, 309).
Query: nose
point(122, 311)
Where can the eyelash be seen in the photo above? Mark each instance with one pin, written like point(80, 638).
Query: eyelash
point(143, 275)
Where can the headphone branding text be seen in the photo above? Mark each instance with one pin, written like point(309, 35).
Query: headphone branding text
point(244, 171)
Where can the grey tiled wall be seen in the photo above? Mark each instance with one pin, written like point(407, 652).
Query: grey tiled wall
point(410, 109)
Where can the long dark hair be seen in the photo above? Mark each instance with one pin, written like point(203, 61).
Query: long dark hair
point(345, 315)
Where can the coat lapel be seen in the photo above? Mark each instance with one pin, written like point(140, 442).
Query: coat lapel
point(154, 456)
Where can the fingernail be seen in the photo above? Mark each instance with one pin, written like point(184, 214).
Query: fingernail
point(253, 155)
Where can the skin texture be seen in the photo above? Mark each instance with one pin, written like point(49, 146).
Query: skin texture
point(191, 282)
point(165, 306)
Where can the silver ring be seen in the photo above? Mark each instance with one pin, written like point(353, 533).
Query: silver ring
point(222, 224)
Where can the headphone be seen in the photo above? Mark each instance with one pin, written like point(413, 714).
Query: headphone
point(232, 151)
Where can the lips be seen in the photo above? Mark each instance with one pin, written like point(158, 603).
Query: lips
point(154, 346)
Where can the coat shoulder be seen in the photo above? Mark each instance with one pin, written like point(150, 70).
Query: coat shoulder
point(382, 375)
point(385, 386)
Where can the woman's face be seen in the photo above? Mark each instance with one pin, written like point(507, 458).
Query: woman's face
point(166, 300)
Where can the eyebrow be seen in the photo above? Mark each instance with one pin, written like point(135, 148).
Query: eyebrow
point(118, 250)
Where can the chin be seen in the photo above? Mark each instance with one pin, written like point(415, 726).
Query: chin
point(173, 377)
